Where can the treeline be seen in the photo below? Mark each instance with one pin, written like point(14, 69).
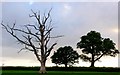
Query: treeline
point(94, 69)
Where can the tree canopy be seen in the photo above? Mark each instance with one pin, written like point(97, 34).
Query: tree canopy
point(65, 55)
point(94, 44)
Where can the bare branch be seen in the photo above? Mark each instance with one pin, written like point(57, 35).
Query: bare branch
point(49, 50)
point(37, 17)
point(57, 36)
point(26, 48)
point(21, 50)
point(48, 33)
point(46, 18)
point(34, 48)
point(14, 25)
point(29, 32)
point(12, 33)
point(32, 26)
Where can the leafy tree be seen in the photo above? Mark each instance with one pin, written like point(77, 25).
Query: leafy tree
point(94, 44)
point(65, 55)
point(35, 37)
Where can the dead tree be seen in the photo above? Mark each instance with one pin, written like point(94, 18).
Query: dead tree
point(35, 37)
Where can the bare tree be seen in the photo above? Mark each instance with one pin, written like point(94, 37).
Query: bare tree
point(35, 37)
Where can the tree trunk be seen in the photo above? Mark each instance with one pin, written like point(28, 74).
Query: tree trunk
point(42, 68)
point(65, 64)
point(92, 62)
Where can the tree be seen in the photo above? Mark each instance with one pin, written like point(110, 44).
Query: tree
point(94, 44)
point(35, 37)
point(65, 55)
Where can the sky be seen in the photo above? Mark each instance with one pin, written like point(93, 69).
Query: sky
point(71, 19)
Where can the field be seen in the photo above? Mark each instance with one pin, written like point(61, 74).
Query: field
point(28, 72)
point(61, 71)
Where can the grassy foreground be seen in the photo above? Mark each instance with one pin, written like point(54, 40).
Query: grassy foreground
point(21, 72)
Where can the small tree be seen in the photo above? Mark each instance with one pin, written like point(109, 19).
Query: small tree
point(35, 37)
point(94, 44)
point(65, 55)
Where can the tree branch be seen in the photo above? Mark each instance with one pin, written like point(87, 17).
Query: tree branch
point(99, 57)
point(49, 50)
point(32, 26)
point(29, 32)
point(12, 33)
point(37, 17)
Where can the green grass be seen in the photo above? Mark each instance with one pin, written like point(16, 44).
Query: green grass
point(21, 72)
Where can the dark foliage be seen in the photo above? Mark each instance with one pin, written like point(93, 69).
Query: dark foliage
point(94, 44)
point(65, 55)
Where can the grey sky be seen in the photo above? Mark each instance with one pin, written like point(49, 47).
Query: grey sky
point(70, 19)
point(60, 0)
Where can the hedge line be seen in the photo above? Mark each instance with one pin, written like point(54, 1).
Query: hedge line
point(95, 69)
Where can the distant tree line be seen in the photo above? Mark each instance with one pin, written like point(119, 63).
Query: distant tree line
point(77, 69)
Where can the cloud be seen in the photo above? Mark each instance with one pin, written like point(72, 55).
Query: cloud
point(67, 7)
point(31, 2)
point(66, 10)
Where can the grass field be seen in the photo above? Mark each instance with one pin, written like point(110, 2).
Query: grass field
point(21, 72)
